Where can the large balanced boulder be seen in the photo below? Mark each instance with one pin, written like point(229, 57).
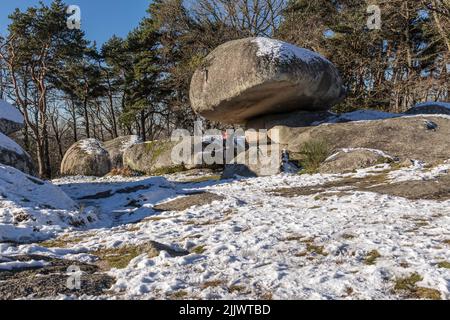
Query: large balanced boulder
point(430, 108)
point(253, 77)
point(86, 158)
point(152, 158)
point(118, 146)
point(11, 120)
point(425, 138)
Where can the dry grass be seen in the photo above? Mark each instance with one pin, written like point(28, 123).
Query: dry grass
point(408, 287)
point(444, 265)
point(120, 258)
point(199, 249)
point(202, 179)
point(213, 284)
point(313, 154)
point(372, 257)
point(314, 249)
point(237, 288)
point(123, 172)
point(179, 295)
point(61, 242)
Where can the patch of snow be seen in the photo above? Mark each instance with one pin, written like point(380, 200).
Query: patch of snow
point(15, 265)
point(279, 50)
point(417, 172)
point(10, 113)
point(92, 147)
point(131, 142)
point(8, 144)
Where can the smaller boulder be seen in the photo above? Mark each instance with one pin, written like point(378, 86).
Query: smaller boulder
point(11, 120)
point(349, 160)
point(86, 158)
point(118, 146)
point(430, 108)
point(152, 158)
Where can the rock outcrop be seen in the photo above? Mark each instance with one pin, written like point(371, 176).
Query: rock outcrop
point(86, 158)
point(253, 77)
point(11, 154)
point(118, 146)
point(11, 120)
point(424, 138)
point(349, 160)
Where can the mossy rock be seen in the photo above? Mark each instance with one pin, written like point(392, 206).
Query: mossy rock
point(152, 158)
point(117, 147)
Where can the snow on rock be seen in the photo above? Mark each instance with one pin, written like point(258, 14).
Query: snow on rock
point(364, 115)
point(15, 265)
point(435, 104)
point(279, 50)
point(31, 209)
point(10, 113)
point(92, 147)
point(134, 139)
point(9, 144)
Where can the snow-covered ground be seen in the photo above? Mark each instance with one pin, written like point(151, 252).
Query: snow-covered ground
point(33, 210)
point(255, 244)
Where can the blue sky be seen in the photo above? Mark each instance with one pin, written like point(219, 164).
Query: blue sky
point(100, 18)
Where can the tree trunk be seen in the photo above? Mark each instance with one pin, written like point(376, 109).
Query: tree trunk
point(143, 131)
point(86, 118)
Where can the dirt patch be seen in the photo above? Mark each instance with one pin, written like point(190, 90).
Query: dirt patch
point(51, 280)
point(187, 202)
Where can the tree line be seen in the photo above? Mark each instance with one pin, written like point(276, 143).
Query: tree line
point(68, 88)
